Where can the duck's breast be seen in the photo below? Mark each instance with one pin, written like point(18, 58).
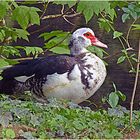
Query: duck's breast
point(78, 84)
point(65, 86)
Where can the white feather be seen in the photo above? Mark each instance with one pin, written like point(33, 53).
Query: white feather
point(23, 78)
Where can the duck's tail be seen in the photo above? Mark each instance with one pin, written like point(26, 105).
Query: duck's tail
point(10, 86)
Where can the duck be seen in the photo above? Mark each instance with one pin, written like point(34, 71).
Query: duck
point(75, 76)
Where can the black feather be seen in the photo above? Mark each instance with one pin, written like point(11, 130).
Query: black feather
point(41, 67)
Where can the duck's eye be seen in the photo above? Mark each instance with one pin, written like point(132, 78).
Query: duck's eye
point(87, 34)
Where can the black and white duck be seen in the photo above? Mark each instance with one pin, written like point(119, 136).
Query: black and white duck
point(75, 77)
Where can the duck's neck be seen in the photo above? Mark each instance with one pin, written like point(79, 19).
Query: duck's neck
point(77, 48)
point(77, 51)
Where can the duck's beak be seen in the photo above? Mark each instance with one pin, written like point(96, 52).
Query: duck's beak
point(99, 44)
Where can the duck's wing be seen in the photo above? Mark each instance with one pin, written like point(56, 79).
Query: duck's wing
point(40, 67)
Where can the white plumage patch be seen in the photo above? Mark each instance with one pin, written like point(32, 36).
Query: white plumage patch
point(75, 73)
point(60, 86)
point(23, 78)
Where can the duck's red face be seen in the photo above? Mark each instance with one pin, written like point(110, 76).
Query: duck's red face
point(94, 40)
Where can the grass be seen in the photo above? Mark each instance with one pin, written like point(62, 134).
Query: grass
point(63, 119)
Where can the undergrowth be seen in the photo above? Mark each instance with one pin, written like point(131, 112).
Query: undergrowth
point(62, 119)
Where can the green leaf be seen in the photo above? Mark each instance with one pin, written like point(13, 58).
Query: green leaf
point(134, 59)
point(50, 44)
point(25, 15)
point(121, 95)
point(69, 3)
point(104, 24)
point(114, 86)
point(88, 14)
point(136, 27)
point(9, 133)
point(22, 34)
point(113, 99)
point(131, 6)
point(54, 38)
point(106, 64)
point(125, 17)
point(33, 15)
point(112, 14)
point(120, 4)
point(60, 50)
point(99, 52)
point(89, 8)
point(11, 62)
point(5, 117)
point(33, 50)
point(121, 59)
point(28, 135)
point(10, 50)
point(134, 15)
point(117, 34)
point(21, 15)
point(3, 63)
point(2, 35)
point(126, 10)
point(56, 33)
point(3, 8)
point(34, 120)
point(86, 8)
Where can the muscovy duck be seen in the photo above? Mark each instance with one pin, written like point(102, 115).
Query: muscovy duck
point(74, 77)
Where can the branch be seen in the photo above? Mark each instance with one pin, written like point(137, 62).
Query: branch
point(60, 15)
point(63, 13)
point(45, 8)
point(64, 16)
point(135, 87)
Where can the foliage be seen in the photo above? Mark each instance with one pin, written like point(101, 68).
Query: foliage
point(117, 34)
point(136, 27)
point(29, 14)
point(133, 10)
point(57, 41)
point(96, 7)
point(123, 57)
point(14, 51)
point(8, 133)
point(98, 51)
point(114, 96)
point(69, 3)
point(54, 38)
point(63, 119)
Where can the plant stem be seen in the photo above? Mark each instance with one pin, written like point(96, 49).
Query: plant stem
point(128, 33)
point(135, 87)
point(1, 49)
point(126, 54)
point(45, 8)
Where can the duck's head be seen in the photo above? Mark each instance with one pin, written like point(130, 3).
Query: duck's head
point(83, 38)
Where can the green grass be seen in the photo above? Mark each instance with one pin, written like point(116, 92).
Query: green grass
point(62, 119)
